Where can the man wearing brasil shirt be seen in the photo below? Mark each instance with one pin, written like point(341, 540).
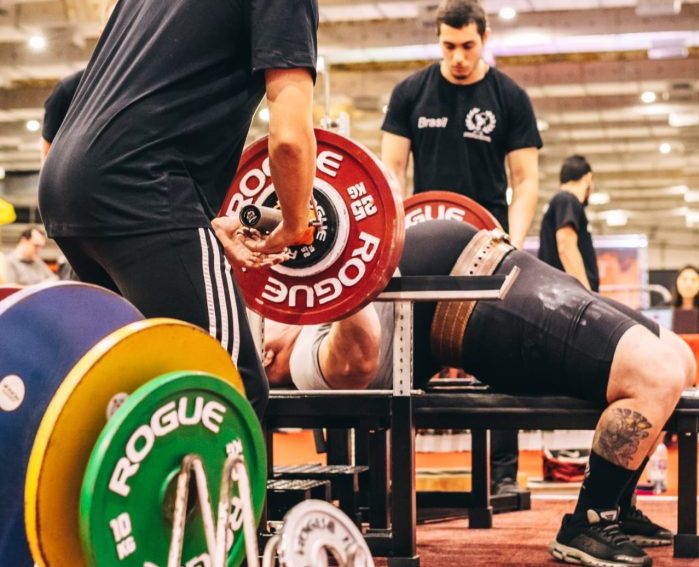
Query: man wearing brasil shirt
point(464, 121)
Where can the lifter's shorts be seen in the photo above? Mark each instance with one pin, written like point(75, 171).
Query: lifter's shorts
point(549, 335)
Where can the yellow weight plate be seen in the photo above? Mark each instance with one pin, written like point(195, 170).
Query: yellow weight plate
point(117, 365)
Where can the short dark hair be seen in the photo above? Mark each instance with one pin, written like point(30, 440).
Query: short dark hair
point(26, 234)
point(676, 297)
point(574, 168)
point(460, 13)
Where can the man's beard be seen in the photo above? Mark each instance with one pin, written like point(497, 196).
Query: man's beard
point(461, 76)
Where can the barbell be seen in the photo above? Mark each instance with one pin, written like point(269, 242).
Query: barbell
point(358, 235)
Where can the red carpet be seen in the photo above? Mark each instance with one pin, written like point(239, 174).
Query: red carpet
point(519, 538)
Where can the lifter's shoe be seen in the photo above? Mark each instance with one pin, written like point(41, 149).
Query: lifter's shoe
point(641, 530)
point(596, 540)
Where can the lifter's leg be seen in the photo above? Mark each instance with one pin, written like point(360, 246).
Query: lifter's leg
point(646, 380)
point(634, 523)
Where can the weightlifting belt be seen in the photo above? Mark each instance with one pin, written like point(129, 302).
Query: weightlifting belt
point(481, 257)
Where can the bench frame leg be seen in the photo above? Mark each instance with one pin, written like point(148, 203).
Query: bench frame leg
point(403, 499)
point(480, 515)
point(686, 542)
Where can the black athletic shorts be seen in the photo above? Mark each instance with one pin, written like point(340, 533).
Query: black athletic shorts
point(549, 335)
point(181, 274)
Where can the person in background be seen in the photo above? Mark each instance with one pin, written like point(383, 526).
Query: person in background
point(565, 241)
point(685, 301)
point(3, 269)
point(56, 108)
point(24, 266)
point(58, 102)
point(685, 294)
point(466, 123)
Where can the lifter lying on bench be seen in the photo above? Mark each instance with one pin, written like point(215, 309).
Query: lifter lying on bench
point(548, 336)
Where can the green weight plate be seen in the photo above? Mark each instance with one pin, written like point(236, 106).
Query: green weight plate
point(127, 499)
point(89, 393)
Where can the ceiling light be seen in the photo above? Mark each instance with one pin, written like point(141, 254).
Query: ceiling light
point(665, 148)
point(542, 125)
point(691, 218)
point(617, 218)
point(683, 119)
point(656, 8)
point(691, 197)
point(599, 198)
point(508, 196)
point(320, 64)
point(649, 97)
point(33, 125)
point(37, 43)
point(384, 109)
point(3, 172)
point(508, 13)
point(264, 114)
point(672, 47)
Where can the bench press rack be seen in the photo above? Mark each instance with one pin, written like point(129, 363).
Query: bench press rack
point(398, 412)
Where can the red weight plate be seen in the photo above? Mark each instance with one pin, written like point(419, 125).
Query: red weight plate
point(356, 250)
point(444, 205)
point(7, 290)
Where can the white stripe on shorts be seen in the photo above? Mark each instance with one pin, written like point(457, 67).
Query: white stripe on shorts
point(206, 272)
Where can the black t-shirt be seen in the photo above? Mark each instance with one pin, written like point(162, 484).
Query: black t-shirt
point(154, 134)
point(565, 209)
point(461, 134)
point(56, 106)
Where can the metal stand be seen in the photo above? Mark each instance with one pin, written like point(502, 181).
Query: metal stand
point(686, 542)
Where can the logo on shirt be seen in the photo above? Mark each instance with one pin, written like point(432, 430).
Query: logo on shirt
point(424, 122)
point(480, 124)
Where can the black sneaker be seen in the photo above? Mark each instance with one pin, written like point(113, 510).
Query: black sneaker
point(642, 531)
point(596, 540)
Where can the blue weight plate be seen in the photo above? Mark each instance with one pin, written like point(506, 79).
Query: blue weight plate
point(44, 331)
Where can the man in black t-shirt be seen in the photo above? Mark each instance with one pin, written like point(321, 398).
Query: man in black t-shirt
point(58, 102)
point(565, 242)
point(463, 120)
point(141, 164)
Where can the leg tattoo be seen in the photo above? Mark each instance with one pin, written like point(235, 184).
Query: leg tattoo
point(620, 434)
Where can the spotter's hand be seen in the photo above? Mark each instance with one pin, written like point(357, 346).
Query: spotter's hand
point(238, 245)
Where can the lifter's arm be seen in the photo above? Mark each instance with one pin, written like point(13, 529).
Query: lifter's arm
point(292, 152)
point(395, 152)
point(569, 254)
point(524, 175)
point(349, 354)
